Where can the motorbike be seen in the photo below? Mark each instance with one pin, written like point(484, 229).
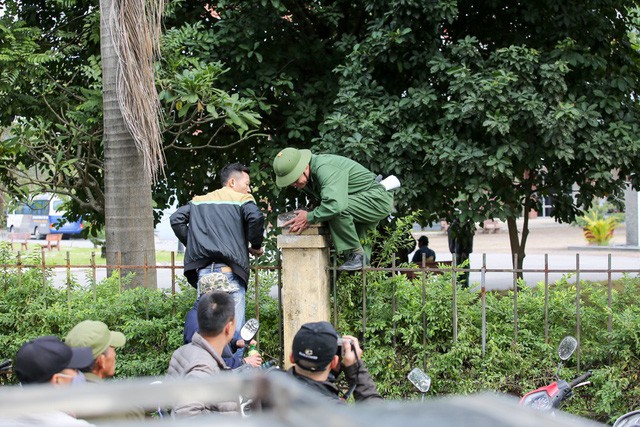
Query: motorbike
point(630, 419)
point(420, 380)
point(551, 396)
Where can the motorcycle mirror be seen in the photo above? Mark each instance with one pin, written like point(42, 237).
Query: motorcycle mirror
point(419, 379)
point(249, 330)
point(566, 347)
point(630, 419)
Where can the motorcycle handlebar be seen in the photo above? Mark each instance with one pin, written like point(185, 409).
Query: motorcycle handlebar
point(579, 379)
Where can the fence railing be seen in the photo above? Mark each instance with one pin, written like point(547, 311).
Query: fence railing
point(173, 269)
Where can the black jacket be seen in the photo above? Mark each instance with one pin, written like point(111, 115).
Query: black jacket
point(217, 227)
point(417, 256)
point(357, 374)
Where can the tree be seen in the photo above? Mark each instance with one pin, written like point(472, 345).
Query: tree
point(56, 117)
point(482, 108)
point(129, 38)
point(488, 107)
point(51, 99)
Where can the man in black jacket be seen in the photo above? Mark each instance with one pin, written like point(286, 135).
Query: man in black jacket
point(216, 230)
point(315, 355)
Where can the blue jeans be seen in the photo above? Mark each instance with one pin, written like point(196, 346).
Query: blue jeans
point(238, 295)
point(191, 319)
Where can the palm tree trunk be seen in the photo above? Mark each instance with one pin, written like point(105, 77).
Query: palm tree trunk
point(128, 202)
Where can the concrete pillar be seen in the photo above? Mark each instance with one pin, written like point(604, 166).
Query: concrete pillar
point(305, 281)
point(632, 216)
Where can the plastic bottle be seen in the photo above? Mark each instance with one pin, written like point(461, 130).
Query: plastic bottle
point(252, 350)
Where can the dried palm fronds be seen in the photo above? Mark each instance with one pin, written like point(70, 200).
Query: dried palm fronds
point(135, 27)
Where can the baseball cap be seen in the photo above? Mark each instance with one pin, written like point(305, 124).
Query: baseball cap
point(314, 345)
point(38, 360)
point(94, 334)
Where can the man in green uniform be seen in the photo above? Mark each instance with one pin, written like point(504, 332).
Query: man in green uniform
point(352, 202)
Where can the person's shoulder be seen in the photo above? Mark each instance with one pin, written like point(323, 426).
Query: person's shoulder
point(329, 158)
point(209, 197)
point(328, 164)
point(224, 195)
point(247, 198)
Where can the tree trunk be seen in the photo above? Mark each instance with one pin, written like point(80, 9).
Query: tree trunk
point(518, 244)
point(128, 202)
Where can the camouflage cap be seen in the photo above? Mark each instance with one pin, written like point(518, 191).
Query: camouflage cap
point(215, 282)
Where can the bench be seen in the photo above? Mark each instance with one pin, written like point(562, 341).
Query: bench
point(430, 264)
point(21, 238)
point(53, 240)
point(490, 226)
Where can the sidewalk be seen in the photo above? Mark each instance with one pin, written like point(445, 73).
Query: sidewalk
point(545, 237)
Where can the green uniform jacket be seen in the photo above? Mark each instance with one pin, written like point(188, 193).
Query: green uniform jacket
point(351, 201)
point(332, 180)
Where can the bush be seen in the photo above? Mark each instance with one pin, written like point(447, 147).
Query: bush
point(153, 322)
point(509, 366)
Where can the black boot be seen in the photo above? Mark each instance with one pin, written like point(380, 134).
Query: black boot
point(354, 262)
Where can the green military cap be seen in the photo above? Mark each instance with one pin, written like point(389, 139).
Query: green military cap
point(289, 164)
point(94, 334)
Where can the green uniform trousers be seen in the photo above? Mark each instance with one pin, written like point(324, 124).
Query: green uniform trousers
point(363, 213)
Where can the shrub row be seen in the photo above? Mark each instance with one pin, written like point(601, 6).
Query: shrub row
point(153, 320)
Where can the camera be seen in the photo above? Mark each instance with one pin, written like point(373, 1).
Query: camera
point(340, 350)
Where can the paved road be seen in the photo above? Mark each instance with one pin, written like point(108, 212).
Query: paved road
point(563, 243)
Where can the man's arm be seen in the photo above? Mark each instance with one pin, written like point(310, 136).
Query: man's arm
point(356, 373)
point(179, 221)
point(254, 223)
point(365, 387)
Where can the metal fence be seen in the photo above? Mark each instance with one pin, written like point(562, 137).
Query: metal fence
point(420, 274)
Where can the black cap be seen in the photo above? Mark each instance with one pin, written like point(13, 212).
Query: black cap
point(423, 241)
point(314, 346)
point(38, 360)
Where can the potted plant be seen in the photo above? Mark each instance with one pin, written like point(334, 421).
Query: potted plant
point(598, 226)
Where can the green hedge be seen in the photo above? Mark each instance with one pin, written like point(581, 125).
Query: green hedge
point(153, 324)
point(508, 365)
point(146, 317)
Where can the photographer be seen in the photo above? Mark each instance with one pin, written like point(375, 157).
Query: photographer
point(316, 355)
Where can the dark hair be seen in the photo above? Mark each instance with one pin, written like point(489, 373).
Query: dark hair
point(423, 241)
point(231, 169)
point(215, 310)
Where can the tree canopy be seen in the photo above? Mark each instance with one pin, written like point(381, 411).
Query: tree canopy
point(481, 108)
point(51, 98)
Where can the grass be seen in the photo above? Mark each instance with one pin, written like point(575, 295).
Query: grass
point(82, 256)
